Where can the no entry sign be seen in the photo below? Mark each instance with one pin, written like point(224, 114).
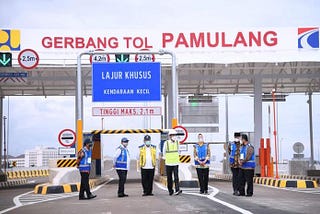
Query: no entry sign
point(182, 133)
point(67, 137)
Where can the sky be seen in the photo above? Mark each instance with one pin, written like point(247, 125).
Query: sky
point(38, 120)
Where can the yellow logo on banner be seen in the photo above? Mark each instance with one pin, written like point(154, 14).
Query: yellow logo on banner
point(9, 40)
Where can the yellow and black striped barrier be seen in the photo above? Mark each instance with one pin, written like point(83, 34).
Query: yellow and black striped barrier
point(185, 158)
point(66, 163)
point(27, 173)
point(126, 131)
point(64, 188)
point(283, 183)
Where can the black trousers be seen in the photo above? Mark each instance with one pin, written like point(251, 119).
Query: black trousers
point(175, 171)
point(84, 185)
point(147, 176)
point(235, 178)
point(246, 177)
point(122, 180)
point(203, 177)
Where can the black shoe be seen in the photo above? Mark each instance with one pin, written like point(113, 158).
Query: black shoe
point(250, 195)
point(206, 192)
point(150, 194)
point(82, 198)
point(91, 196)
point(178, 192)
point(144, 194)
point(201, 192)
point(171, 193)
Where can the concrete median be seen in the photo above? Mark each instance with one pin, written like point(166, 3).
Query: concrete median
point(48, 188)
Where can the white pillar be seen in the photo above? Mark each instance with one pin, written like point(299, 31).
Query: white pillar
point(257, 112)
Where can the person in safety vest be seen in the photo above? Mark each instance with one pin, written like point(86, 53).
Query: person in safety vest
point(121, 162)
point(171, 156)
point(247, 164)
point(84, 165)
point(234, 161)
point(202, 162)
point(147, 163)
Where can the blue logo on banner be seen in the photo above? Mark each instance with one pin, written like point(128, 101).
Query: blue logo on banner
point(117, 82)
point(308, 37)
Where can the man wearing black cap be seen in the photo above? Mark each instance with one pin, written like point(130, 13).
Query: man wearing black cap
point(147, 163)
point(234, 160)
point(84, 165)
point(121, 162)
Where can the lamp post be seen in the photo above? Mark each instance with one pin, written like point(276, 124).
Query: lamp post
point(275, 130)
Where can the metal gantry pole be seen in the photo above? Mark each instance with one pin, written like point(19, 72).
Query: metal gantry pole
point(1, 133)
point(275, 130)
point(311, 129)
point(79, 96)
point(4, 145)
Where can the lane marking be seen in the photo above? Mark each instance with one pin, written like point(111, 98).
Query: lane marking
point(46, 198)
point(211, 197)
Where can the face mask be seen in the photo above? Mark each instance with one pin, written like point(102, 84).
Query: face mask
point(148, 143)
point(200, 139)
point(237, 140)
point(125, 144)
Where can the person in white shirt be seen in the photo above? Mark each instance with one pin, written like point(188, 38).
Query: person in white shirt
point(147, 163)
point(121, 162)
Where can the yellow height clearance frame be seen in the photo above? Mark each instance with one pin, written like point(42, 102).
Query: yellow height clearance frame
point(79, 91)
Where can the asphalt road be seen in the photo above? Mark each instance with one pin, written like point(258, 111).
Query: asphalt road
point(265, 200)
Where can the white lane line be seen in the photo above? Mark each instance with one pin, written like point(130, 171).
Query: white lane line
point(211, 197)
point(16, 200)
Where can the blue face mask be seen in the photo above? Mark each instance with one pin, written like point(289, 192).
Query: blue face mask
point(148, 143)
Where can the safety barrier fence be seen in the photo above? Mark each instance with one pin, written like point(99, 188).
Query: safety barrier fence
point(12, 183)
point(301, 177)
point(27, 174)
point(285, 181)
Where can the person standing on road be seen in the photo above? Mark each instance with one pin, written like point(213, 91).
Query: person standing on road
point(84, 165)
point(172, 160)
point(202, 162)
point(147, 163)
point(247, 164)
point(234, 161)
point(121, 162)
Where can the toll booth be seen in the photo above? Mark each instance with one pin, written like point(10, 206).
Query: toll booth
point(97, 154)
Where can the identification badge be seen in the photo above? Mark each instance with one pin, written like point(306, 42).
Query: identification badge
point(89, 160)
point(241, 156)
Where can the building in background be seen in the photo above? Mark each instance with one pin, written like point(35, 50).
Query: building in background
point(40, 156)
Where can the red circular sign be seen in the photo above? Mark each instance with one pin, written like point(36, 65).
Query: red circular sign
point(67, 137)
point(145, 57)
point(28, 59)
point(181, 131)
point(99, 57)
